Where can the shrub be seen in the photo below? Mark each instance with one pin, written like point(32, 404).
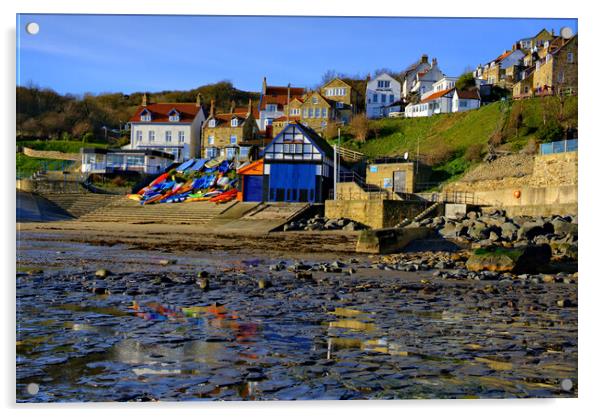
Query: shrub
point(550, 132)
point(331, 131)
point(531, 147)
point(465, 82)
point(473, 152)
point(496, 139)
point(118, 181)
point(440, 155)
point(359, 127)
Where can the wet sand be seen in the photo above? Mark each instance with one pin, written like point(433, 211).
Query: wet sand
point(351, 330)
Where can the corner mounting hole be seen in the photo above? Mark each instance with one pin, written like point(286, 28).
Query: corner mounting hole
point(32, 28)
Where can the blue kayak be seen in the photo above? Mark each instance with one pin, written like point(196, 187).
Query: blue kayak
point(185, 165)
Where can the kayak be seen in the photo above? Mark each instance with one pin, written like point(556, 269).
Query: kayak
point(185, 165)
point(135, 197)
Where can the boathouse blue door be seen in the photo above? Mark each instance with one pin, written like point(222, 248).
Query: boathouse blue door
point(253, 188)
point(293, 182)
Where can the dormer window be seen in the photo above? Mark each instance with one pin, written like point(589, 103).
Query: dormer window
point(314, 100)
point(234, 122)
point(212, 123)
point(174, 116)
point(145, 116)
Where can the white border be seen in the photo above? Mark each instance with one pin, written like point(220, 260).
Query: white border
point(590, 155)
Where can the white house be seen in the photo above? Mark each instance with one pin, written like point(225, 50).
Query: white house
point(174, 128)
point(410, 74)
point(445, 101)
point(381, 93)
point(105, 161)
point(424, 80)
point(465, 100)
point(444, 83)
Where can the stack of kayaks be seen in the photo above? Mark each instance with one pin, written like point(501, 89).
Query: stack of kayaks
point(194, 180)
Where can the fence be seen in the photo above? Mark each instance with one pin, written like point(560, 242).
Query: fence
point(569, 145)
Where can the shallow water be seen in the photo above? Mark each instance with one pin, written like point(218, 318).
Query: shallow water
point(148, 332)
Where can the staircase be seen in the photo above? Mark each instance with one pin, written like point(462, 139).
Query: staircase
point(121, 209)
point(78, 204)
point(422, 215)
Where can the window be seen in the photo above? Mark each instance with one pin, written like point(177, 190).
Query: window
point(463, 103)
point(145, 116)
point(310, 113)
point(340, 105)
point(324, 112)
point(212, 123)
point(383, 98)
point(181, 136)
point(174, 117)
point(314, 100)
point(138, 136)
point(569, 57)
point(295, 112)
point(168, 136)
point(271, 107)
point(211, 140)
point(375, 98)
point(561, 77)
point(230, 153)
point(304, 113)
point(151, 135)
point(384, 84)
point(234, 122)
point(233, 140)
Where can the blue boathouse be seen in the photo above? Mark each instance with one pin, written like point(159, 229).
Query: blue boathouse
point(298, 166)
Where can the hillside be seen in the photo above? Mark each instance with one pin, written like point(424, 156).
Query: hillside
point(45, 114)
point(454, 142)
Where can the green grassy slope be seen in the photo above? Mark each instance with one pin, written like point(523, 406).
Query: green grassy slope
point(446, 138)
point(68, 146)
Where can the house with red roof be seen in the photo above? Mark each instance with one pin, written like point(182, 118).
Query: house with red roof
point(450, 100)
point(500, 71)
point(272, 101)
point(173, 128)
point(423, 81)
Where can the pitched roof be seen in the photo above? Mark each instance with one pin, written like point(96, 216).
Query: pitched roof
point(468, 94)
point(308, 132)
point(279, 96)
point(437, 95)
point(160, 112)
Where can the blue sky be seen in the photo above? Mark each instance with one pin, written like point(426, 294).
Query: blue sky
point(110, 53)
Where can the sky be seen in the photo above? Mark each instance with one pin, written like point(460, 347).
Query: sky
point(124, 53)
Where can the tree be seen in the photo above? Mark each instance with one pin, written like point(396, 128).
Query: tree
point(329, 76)
point(515, 120)
point(466, 81)
point(81, 128)
point(359, 127)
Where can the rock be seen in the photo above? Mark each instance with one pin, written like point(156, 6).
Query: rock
point(494, 237)
point(531, 229)
point(165, 262)
point(548, 278)
point(304, 275)
point(203, 274)
point(449, 231)
point(564, 303)
point(517, 260)
point(351, 271)
point(203, 284)
point(508, 230)
point(102, 273)
point(472, 215)
point(478, 231)
point(263, 283)
point(563, 227)
point(351, 226)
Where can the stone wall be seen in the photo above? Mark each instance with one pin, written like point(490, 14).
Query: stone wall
point(377, 214)
point(52, 154)
point(551, 184)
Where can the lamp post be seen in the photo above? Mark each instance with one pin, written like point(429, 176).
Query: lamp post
point(336, 163)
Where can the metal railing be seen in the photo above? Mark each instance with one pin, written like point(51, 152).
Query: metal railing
point(349, 154)
point(568, 145)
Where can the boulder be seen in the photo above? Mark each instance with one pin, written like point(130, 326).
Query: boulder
point(478, 231)
point(508, 230)
point(526, 259)
point(449, 231)
point(563, 227)
point(531, 229)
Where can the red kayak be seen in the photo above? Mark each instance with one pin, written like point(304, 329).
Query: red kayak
point(224, 197)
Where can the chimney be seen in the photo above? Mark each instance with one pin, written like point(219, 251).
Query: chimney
point(368, 78)
point(212, 109)
point(198, 100)
point(552, 32)
point(424, 59)
point(249, 108)
point(232, 106)
point(434, 62)
point(144, 100)
point(264, 86)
